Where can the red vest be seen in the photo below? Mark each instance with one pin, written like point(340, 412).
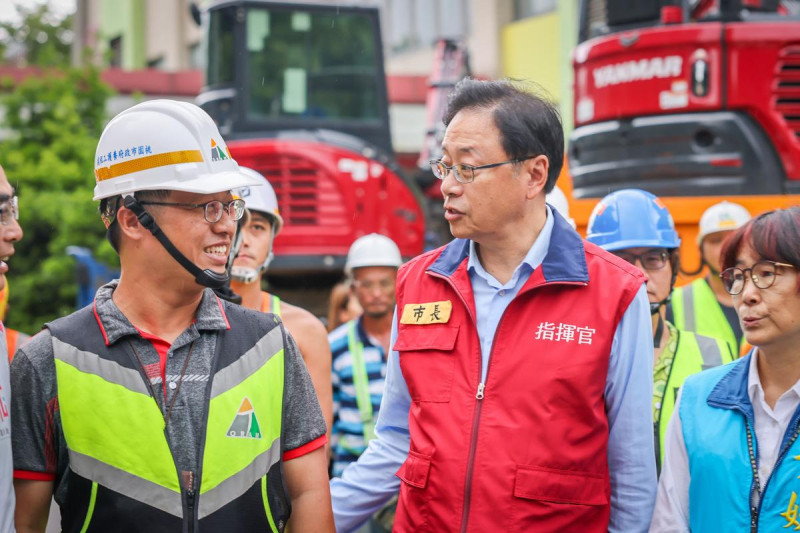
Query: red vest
point(531, 454)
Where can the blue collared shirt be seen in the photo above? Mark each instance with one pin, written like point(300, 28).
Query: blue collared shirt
point(370, 482)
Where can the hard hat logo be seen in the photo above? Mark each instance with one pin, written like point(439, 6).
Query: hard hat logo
point(164, 145)
point(217, 153)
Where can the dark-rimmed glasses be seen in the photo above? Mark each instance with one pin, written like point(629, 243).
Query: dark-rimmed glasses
point(212, 211)
point(652, 260)
point(466, 173)
point(9, 210)
point(762, 274)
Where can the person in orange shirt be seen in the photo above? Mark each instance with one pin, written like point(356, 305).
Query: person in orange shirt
point(14, 338)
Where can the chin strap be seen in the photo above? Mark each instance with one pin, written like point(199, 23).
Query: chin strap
point(250, 275)
point(206, 278)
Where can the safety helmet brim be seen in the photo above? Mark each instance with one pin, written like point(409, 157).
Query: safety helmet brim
point(655, 243)
point(203, 184)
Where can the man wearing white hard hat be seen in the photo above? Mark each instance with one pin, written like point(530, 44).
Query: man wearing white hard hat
point(704, 306)
point(360, 349)
point(161, 407)
point(251, 263)
point(556, 198)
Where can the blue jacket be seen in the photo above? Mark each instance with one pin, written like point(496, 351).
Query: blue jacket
point(718, 423)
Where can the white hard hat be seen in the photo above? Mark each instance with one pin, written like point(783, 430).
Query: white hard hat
point(556, 198)
point(373, 250)
point(164, 144)
point(261, 199)
point(722, 217)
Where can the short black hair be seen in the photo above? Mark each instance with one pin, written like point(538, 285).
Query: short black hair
point(529, 122)
point(109, 207)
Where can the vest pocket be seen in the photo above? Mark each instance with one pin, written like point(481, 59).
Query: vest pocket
point(427, 360)
point(413, 496)
point(579, 497)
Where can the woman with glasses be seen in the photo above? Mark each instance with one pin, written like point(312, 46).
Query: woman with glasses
point(732, 455)
point(635, 226)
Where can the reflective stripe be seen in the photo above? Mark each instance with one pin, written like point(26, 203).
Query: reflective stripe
point(267, 347)
point(688, 309)
point(126, 484)
point(709, 350)
point(239, 483)
point(90, 511)
point(267, 510)
point(361, 383)
point(90, 363)
point(117, 427)
point(147, 163)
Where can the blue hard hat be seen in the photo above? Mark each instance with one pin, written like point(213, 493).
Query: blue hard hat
point(631, 218)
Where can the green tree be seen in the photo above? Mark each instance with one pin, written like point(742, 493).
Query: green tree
point(41, 39)
point(55, 121)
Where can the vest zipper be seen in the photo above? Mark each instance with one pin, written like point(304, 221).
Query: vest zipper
point(479, 395)
point(190, 507)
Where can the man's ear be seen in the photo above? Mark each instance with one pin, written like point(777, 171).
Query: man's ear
point(129, 225)
point(536, 170)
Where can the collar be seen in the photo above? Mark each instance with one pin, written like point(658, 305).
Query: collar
point(532, 259)
point(754, 386)
point(115, 325)
point(558, 250)
point(731, 391)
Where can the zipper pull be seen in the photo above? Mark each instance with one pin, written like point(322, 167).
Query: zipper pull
point(481, 386)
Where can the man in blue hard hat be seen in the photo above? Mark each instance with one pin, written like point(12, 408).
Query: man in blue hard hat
point(637, 227)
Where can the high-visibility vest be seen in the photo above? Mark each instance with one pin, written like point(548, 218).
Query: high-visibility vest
point(361, 382)
point(695, 308)
point(270, 303)
point(121, 464)
point(14, 339)
point(693, 354)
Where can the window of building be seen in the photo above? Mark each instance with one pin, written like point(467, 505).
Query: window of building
point(196, 56)
point(418, 24)
point(115, 52)
point(531, 8)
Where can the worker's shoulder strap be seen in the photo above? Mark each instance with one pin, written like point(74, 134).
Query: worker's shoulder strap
point(361, 381)
point(270, 303)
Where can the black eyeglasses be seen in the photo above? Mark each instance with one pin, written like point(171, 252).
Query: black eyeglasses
point(466, 173)
point(9, 210)
point(652, 260)
point(212, 211)
point(763, 275)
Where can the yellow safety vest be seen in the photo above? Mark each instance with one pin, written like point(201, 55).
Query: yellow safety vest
point(121, 463)
point(695, 308)
point(694, 353)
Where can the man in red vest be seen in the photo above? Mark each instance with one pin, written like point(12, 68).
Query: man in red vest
point(519, 385)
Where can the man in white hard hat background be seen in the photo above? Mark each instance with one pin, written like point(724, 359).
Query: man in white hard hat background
point(704, 306)
point(360, 348)
point(161, 407)
point(250, 265)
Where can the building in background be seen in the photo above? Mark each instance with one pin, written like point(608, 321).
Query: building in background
point(154, 48)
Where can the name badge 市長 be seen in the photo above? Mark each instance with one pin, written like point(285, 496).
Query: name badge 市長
point(427, 313)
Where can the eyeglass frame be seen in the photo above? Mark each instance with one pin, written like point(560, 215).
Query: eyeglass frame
point(227, 206)
point(752, 276)
point(385, 285)
point(640, 257)
point(13, 202)
point(434, 164)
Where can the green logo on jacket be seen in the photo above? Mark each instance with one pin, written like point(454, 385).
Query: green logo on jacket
point(245, 424)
